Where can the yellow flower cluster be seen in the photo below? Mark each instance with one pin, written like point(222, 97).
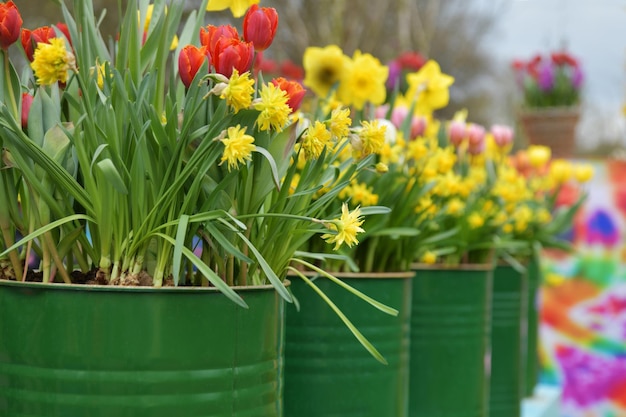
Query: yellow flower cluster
point(357, 80)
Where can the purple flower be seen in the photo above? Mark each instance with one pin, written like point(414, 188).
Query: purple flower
point(577, 77)
point(395, 72)
point(546, 77)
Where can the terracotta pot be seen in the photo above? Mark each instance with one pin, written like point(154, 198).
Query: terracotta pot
point(554, 127)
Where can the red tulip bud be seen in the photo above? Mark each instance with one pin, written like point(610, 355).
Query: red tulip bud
point(232, 54)
point(418, 126)
point(294, 91)
point(27, 100)
point(456, 132)
point(211, 35)
point(502, 135)
point(475, 139)
point(10, 24)
point(62, 27)
point(190, 60)
point(259, 26)
point(30, 39)
point(398, 115)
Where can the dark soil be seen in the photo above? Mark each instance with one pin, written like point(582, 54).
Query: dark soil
point(93, 277)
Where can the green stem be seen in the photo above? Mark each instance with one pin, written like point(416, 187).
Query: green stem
point(13, 255)
point(9, 86)
point(50, 245)
point(45, 264)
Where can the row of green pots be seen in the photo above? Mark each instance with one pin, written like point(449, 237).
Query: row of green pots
point(70, 350)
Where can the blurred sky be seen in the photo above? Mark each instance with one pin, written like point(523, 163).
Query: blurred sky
point(592, 30)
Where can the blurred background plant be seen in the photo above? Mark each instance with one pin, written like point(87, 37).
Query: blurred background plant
point(549, 80)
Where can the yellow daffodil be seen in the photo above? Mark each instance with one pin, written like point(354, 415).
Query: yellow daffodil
point(363, 80)
point(339, 122)
point(428, 88)
point(361, 194)
point(323, 68)
point(52, 62)
point(382, 168)
point(583, 172)
point(239, 91)
point(238, 147)
point(561, 171)
point(237, 7)
point(538, 155)
point(346, 228)
point(475, 220)
point(314, 140)
point(146, 25)
point(429, 257)
point(273, 107)
point(99, 70)
point(455, 207)
point(372, 137)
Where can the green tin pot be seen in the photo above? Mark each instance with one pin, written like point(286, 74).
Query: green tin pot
point(509, 296)
point(530, 353)
point(80, 350)
point(450, 336)
point(327, 371)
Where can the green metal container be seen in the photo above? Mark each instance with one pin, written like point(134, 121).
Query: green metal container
point(79, 350)
point(530, 354)
point(450, 336)
point(327, 372)
point(505, 391)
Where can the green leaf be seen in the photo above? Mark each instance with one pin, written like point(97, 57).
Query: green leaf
point(370, 210)
point(181, 232)
point(272, 163)
point(44, 229)
point(208, 273)
point(376, 304)
point(269, 273)
point(359, 336)
point(56, 144)
point(396, 232)
point(112, 175)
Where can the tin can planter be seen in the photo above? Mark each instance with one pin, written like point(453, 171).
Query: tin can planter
point(450, 337)
point(554, 127)
point(327, 371)
point(509, 296)
point(79, 350)
point(530, 344)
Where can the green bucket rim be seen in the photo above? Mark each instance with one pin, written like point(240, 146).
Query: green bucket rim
point(443, 267)
point(360, 275)
point(129, 289)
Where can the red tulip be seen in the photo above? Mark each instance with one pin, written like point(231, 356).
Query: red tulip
point(27, 100)
point(418, 126)
point(30, 39)
point(259, 26)
point(475, 139)
point(232, 54)
point(457, 131)
point(10, 24)
point(294, 91)
point(502, 135)
point(410, 60)
point(211, 35)
point(290, 70)
point(190, 60)
point(65, 31)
